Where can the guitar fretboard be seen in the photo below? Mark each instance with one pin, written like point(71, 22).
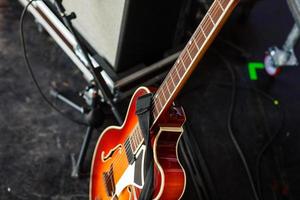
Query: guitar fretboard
point(190, 56)
point(133, 142)
point(136, 138)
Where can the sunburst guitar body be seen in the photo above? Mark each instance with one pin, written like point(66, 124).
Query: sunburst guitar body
point(118, 163)
point(118, 166)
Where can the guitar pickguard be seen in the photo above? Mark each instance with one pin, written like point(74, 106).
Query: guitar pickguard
point(134, 174)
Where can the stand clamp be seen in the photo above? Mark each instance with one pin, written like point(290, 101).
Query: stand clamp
point(276, 57)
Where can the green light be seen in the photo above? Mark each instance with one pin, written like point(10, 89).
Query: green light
point(252, 67)
point(276, 102)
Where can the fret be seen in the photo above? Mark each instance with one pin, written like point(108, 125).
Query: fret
point(161, 105)
point(171, 79)
point(140, 138)
point(187, 50)
point(155, 111)
point(170, 84)
point(177, 72)
point(219, 3)
point(186, 61)
point(167, 85)
point(192, 49)
point(157, 103)
point(163, 94)
point(166, 89)
point(181, 70)
point(176, 77)
point(183, 64)
point(211, 18)
point(208, 26)
point(225, 3)
point(136, 141)
point(200, 38)
point(196, 44)
point(219, 11)
point(132, 143)
point(203, 31)
point(215, 12)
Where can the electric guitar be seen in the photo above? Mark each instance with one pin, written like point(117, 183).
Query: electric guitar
point(117, 170)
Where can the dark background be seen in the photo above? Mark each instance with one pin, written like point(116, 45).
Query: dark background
point(36, 142)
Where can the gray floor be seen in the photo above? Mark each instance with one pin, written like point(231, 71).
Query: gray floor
point(36, 142)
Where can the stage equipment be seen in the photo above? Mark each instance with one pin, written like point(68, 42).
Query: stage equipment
point(108, 85)
point(94, 117)
point(276, 57)
point(123, 166)
point(119, 85)
point(123, 31)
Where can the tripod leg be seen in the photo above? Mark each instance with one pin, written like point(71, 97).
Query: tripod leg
point(116, 114)
point(77, 164)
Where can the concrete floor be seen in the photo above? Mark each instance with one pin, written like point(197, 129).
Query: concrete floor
point(36, 142)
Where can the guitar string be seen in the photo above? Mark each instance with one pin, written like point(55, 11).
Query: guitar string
point(121, 157)
point(184, 55)
point(116, 165)
point(112, 165)
point(213, 9)
point(206, 23)
point(116, 162)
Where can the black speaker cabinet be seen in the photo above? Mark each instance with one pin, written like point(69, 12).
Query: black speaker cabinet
point(127, 32)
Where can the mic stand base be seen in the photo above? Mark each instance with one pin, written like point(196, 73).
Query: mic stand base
point(94, 117)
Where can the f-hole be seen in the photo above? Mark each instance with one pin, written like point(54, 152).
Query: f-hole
point(110, 153)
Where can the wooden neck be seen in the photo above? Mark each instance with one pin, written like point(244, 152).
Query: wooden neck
point(191, 55)
point(136, 138)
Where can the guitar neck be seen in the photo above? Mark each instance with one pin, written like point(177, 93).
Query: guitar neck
point(191, 55)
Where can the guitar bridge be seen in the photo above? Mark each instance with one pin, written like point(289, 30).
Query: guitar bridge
point(109, 182)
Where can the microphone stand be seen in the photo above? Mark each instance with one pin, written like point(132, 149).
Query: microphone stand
point(95, 115)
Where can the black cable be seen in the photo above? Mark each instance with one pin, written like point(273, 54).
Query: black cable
point(273, 137)
point(202, 177)
point(265, 147)
point(230, 131)
point(28, 65)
